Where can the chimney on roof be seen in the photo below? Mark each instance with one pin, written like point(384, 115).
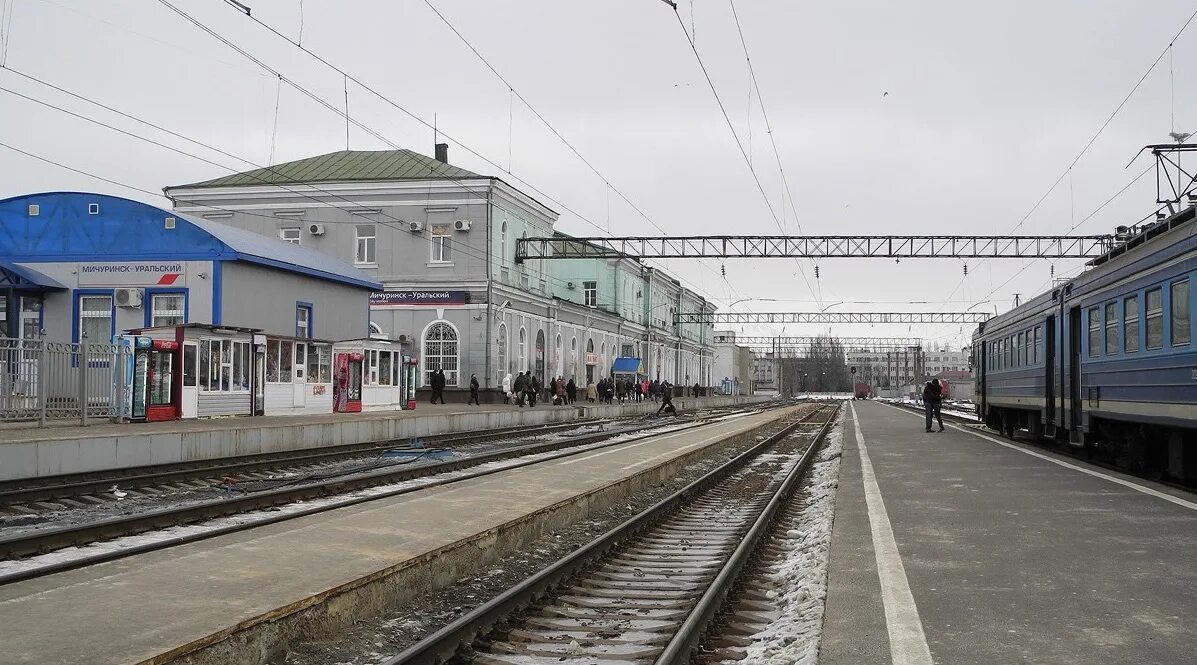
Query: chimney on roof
point(442, 153)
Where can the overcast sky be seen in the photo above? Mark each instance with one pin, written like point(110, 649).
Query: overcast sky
point(987, 105)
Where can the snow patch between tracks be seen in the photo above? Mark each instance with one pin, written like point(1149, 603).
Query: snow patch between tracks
point(801, 578)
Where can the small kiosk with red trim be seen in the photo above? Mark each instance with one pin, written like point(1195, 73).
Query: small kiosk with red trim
point(347, 382)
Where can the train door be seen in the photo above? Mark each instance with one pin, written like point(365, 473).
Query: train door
point(1049, 366)
point(1074, 371)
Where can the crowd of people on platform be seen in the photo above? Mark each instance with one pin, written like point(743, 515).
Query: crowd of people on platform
point(525, 389)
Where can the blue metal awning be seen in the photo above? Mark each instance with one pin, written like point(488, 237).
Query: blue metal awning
point(20, 278)
point(626, 366)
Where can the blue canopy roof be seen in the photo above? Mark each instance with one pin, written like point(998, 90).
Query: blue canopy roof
point(80, 226)
point(626, 366)
point(13, 276)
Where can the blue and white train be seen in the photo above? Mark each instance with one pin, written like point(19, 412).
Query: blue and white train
point(1106, 360)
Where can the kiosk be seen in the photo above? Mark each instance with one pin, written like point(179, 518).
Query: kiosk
point(347, 382)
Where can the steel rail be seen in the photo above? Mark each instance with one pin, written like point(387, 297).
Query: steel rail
point(686, 640)
point(445, 643)
point(42, 541)
point(54, 487)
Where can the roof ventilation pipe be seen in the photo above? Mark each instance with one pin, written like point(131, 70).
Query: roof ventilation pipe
point(442, 153)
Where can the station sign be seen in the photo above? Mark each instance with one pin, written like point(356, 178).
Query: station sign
point(410, 297)
point(132, 273)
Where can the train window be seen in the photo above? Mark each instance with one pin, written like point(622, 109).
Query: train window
point(1006, 353)
point(1038, 345)
point(1111, 329)
point(1182, 325)
point(1020, 358)
point(1094, 332)
point(1027, 354)
point(1130, 326)
point(1154, 321)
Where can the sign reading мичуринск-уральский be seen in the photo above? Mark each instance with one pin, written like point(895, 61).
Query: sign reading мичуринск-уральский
point(418, 297)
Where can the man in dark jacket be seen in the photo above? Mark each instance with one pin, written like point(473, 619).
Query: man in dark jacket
point(473, 391)
point(531, 388)
point(571, 390)
point(932, 402)
point(666, 399)
point(517, 388)
point(437, 382)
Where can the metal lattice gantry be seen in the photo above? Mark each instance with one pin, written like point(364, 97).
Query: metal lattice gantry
point(782, 246)
point(848, 343)
point(719, 318)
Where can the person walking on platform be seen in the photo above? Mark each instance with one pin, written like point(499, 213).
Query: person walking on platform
point(473, 391)
point(517, 389)
point(531, 388)
point(591, 391)
point(507, 387)
point(932, 403)
point(437, 382)
point(639, 394)
point(571, 390)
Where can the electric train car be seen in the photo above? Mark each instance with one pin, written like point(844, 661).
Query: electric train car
point(1106, 360)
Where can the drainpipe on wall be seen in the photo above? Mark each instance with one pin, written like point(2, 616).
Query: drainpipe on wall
point(490, 280)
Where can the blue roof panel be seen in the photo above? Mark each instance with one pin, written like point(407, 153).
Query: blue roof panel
point(626, 366)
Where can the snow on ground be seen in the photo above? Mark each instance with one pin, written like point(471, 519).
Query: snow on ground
point(801, 578)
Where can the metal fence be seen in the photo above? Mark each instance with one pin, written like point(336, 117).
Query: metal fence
point(44, 382)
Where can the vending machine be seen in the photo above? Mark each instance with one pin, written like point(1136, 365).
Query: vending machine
point(411, 369)
point(347, 382)
point(152, 385)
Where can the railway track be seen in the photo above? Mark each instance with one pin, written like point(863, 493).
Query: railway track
point(251, 472)
point(647, 591)
point(454, 470)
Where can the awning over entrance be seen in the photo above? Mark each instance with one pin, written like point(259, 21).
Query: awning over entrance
point(20, 278)
point(626, 366)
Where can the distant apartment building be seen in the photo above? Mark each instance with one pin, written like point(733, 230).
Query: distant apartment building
point(441, 240)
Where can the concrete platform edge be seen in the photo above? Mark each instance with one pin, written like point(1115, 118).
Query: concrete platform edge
point(261, 638)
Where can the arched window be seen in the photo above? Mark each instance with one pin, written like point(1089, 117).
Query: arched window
point(540, 364)
point(501, 350)
point(503, 244)
point(376, 330)
point(523, 367)
point(557, 369)
point(440, 351)
point(573, 359)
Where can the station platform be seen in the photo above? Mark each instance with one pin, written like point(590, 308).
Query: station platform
point(31, 452)
point(224, 599)
point(963, 547)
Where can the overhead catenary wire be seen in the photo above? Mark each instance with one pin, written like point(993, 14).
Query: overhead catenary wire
point(373, 91)
point(736, 136)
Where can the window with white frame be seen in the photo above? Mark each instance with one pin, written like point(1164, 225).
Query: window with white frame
point(303, 321)
point(1154, 322)
point(319, 363)
point(166, 309)
point(224, 366)
point(442, 243)
point(440, 352)
point(370, 375)
point(501, 349)
point(365, 237)
point(503, 245)
point(290, 234)
point(1130, 324)
point(281, 360)
point(1182, 326)
point(590, 294)
point(95, 319)
point(1094, 332)
point(523, 350)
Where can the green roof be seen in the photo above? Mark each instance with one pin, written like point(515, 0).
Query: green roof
point(344, 165)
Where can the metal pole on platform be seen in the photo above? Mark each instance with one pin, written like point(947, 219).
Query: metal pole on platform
point(82, 375)
point(41, 381)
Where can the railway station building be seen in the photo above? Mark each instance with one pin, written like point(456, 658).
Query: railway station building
point(441, 241)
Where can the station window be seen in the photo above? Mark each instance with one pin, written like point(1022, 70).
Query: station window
point(279, 360)
point(440, 352)
point(290, 234)
point(370, 376)
point(590, 293)
point(442, 243)
point(95, 319)
point(319, 363)
point(1182, 325)
point(1094, 332)
point(1111, 329)
point(303, 320)
point(166, 309)
point(364, 237)
point(1130, 325)
point(224, 366)
point(1154, 320)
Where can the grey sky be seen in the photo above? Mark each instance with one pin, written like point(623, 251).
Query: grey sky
point(987, 104)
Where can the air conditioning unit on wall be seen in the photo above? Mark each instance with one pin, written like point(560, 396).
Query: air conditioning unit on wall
point(129, 298)
point(316, 229)
point(570, 285)
point(415, 227)
point(461, 225)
